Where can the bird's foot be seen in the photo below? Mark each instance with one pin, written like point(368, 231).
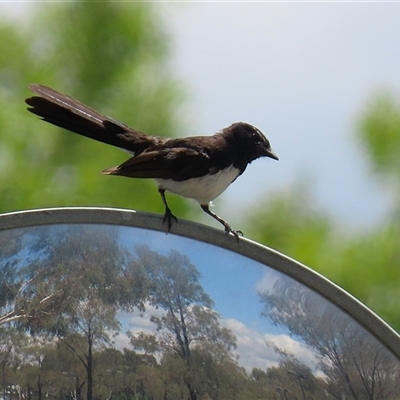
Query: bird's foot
point(230, 230)
point(168, 217)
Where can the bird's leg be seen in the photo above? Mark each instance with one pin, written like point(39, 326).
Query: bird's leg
point(228, 228)
point(168, 216)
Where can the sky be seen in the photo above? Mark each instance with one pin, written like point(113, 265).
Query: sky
point(302, 72)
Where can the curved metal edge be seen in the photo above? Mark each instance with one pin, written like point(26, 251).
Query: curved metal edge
point(248, 248)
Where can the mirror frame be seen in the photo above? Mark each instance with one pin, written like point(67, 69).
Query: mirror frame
point(245, 247)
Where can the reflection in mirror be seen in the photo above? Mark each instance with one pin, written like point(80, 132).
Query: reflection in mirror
point(113, 312)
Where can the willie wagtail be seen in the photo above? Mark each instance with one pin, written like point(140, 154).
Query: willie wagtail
point(199, 167)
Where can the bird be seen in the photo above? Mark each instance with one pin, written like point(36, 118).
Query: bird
point(195, 167)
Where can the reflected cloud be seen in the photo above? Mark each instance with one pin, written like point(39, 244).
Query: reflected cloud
point(256, 349)
point(294, 347)
point(268, 281)
point(252, 349)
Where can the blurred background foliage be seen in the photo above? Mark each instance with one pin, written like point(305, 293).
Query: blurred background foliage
point(115, 57)
point(111, 56)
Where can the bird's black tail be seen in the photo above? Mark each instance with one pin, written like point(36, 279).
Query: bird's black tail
point(68, 113)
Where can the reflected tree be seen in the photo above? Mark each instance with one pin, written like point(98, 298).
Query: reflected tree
point(71, 283)
point(11, 342)
point(39, 370)
point(188, 331)
point(289, 377)
point(109, 372)
point(11, 249)
point(354, 363)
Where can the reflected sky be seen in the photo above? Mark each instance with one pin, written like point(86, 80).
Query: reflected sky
point(230, 279)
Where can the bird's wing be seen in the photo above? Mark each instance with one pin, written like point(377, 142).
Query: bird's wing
point(68, 113)
point(177, 163)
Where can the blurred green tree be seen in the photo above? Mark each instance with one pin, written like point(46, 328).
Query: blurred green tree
point(364, 262)
point(112, 56)
point(379, 135)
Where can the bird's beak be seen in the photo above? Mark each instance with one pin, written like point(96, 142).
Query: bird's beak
point(271, 154)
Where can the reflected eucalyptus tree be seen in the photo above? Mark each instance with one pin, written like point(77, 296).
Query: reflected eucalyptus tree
point(353, 363)
point(70, 283)
point(189, 333)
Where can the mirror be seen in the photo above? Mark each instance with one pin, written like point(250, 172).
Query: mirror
point(103, 304)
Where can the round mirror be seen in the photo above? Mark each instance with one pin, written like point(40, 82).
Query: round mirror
point(101, 304)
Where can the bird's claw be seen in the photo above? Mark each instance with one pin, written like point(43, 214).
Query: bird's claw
point(236, 233)
point(168, 217)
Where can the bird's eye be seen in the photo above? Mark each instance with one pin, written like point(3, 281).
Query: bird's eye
point(254, 137)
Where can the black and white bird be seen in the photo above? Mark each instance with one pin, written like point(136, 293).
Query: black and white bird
point(199, 167)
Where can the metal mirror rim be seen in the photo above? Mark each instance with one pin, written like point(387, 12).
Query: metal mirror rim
point(245, 247)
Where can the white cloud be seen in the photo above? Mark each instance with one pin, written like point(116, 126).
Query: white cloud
point(267, 282)
point(121, 342)
point(135, 322)
point(254, 351)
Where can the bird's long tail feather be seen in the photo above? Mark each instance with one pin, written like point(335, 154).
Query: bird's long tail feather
point(68, 113)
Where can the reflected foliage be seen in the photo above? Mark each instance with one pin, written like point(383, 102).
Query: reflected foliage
point(189, 334)
point(65, 269)
point(290, 379)
point(351, 362)
point(91, 312)
point(68, 287)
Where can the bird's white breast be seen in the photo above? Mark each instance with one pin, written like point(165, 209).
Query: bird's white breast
point(203, 189)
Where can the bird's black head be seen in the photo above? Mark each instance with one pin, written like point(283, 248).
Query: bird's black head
point(251, 142)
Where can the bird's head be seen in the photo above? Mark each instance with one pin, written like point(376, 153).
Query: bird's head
point(253, 144)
